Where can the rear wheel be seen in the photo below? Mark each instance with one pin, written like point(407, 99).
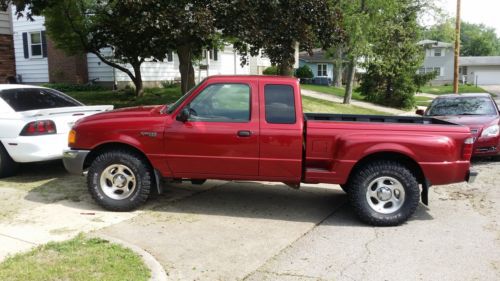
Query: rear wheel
point(384, 193)
point(119, 180)
point(345, 187)
point(7, 166)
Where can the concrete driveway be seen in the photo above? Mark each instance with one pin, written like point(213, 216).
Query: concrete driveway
point(493, 89)
point(265, 231)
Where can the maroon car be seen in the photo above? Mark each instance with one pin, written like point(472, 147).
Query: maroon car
point(477, 111)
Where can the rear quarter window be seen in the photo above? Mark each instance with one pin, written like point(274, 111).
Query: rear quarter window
point(33, 99)
point(280, 104)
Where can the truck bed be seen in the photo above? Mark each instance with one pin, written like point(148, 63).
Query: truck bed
point(375, 118)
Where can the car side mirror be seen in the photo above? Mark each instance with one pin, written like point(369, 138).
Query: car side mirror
point(420, 112)
point(183, 116)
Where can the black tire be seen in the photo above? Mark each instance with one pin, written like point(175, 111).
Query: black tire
point(135, 165)
point(8, 167)
point(393, 174)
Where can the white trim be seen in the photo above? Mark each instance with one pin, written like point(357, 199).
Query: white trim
point(30, 44)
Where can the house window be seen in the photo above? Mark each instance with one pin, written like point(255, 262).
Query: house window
point(322, 72)
point(424, 70)
point(437, 52)
point(213, 54)
point(35, 42)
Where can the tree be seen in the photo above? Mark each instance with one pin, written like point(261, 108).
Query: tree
point(390, 78)
point(277, 26)
point(475, 39)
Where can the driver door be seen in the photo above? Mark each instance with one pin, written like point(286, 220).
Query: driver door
point(221, 136)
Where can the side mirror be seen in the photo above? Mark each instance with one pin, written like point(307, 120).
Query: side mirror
point(420, 112)
point(183, 116)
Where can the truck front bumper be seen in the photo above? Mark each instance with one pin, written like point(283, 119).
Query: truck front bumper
point(73, 160)
point(471, 176)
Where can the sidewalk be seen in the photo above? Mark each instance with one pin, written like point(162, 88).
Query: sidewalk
point(363, 104)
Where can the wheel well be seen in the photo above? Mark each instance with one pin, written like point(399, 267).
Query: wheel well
point(408, 162)
point(111, 146)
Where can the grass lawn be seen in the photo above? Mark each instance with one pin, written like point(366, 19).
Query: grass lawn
point(441, 90)
point(322, 106)
point(126, 98)
point(339, 92)
point(423, 101)
point(76, 259)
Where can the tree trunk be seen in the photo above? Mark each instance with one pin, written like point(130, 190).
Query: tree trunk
point(139, 87)
point(351, 70)
point(338, 68)
point(285, 70)
point(186, 68)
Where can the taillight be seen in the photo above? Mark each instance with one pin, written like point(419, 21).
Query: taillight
point(467, 149)
point(37, 128)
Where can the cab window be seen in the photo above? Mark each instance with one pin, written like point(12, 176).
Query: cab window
point(280, 104)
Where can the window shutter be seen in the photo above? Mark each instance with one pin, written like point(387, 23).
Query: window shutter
point(216, 54)
point(44, 45)
point(170, 57)
point(25, 45)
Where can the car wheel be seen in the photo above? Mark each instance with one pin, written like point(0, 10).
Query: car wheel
point(120, 180)
point(384, 193)
point(8, 167)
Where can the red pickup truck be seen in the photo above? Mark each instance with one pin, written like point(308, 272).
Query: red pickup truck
point(253, 128)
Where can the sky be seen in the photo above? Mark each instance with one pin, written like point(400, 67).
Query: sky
point(475, 11)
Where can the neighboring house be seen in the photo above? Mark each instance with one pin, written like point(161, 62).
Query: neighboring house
point(480, 70)
point(7, 60)
point(473, 70)
point(321, 66)
point(438, 58)
point(38, 61)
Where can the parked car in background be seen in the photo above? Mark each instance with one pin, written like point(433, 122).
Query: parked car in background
point(34, 124)
point(477, 111)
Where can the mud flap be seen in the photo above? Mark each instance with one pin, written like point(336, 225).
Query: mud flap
point(425, 192)
point(158, 182)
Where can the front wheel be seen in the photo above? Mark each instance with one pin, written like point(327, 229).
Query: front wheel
point(119, 180)
point(384, 193)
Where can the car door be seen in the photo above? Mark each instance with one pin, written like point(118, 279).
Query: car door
point(221, 136)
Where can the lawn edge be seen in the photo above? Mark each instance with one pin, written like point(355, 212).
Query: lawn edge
point(158, 273)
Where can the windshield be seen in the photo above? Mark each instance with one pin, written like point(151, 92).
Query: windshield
point(172, 107)
point(462, 106)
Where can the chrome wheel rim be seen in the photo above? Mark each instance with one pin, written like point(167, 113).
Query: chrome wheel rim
point(118, 182)
point(385, 195)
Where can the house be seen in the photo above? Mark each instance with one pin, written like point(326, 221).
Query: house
point(438, 58)
point(480, 70)
point(7, 60)
point(320, 64)
point(472, 70)
point(38, 61)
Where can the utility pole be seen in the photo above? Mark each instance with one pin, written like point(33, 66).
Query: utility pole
point(457, 49)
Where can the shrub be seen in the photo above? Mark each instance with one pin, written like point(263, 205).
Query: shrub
point(304, 72)
point(169, 84)
point(272, 70)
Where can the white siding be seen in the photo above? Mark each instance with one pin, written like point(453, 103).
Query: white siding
point(5, 24)
point(32, 70)
point(166, 71)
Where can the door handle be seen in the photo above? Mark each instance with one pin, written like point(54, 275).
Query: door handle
point(244, 134)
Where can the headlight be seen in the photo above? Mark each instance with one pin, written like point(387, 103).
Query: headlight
point(491, 131)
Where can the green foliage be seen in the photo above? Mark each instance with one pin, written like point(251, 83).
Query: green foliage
point(276, 26)
point(66, 87)
point(272, 70)
point(391, 69)
point(421, 79)
point(304, 72)
point(324, 106)
point(448, 89)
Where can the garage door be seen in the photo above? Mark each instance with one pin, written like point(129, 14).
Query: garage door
point(488, 77)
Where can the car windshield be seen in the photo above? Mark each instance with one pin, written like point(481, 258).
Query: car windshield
point(462, 106)
point(36, 98)
point(171, 107)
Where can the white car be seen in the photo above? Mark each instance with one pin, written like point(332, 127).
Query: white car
point(34, 124)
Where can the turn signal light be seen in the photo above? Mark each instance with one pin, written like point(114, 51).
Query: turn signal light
point(37, 128)
point(72, 137)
